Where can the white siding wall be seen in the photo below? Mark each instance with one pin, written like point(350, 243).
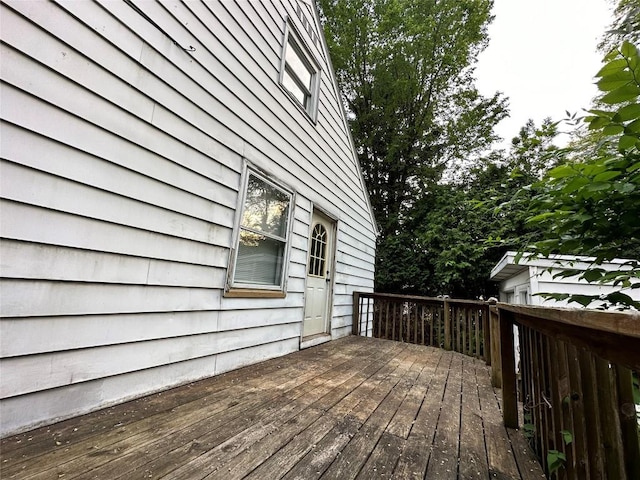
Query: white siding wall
point(546, 283)
point(510, 289)
point(537, 279)
point(121, 163)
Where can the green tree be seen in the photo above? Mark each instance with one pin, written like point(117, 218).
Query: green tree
point(591, 206)
point(405, 68)
point(457, 231)
point(624, 27)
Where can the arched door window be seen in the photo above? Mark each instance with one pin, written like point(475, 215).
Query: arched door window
point(318, 253)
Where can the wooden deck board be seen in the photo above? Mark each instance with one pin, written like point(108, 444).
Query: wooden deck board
point(473, 453)
point(353, 408)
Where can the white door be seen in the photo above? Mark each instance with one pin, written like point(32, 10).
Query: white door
point(316, 308)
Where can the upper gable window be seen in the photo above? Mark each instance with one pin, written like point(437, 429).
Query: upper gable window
point(299, 74)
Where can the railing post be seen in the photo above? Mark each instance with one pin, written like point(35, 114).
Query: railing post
point(486, 332)
point(508, 361)
point(355, 328)
point(447, 326)
point(494, 326)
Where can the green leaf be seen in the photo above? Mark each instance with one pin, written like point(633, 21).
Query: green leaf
point(633, 127)
point(540, 217)
point(593, 275)
point(575, 184)
point(628, 49)
point(567, 273)
point(625, 187)
point(629, 112)
point(583, 217)
point(613, 129)
point(605, 176)
point(567, 437)
point(555, 296)
point(602, 113)
point(562, 171)
point(621, 298)
point(626, 142)
point(622, 94)
point(597, 122)
point(615, 80)
point(598, 187)
point(555, 460)
point(583, 300)
point(612, 67)
point(529, 430)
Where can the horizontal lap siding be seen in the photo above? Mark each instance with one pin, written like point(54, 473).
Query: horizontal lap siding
point(121, 163)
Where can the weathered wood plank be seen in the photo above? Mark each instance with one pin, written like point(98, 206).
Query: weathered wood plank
point(301, 446)
point(528, 464)
point(473, 453)
point(628, 422)
point(417, 450)
point(502, 465)
point(403, 420)
point(269, 431)
point(446, 443)
point(242, 432)
point(326, 411)
point(355, 454)
point(383, 459)
point(226, 387)
point(278, 453)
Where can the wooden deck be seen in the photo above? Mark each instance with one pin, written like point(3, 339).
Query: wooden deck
point(353, 408)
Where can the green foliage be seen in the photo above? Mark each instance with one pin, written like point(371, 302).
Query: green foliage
point(403, 69)
point(456, 232)
point(592, 206)
point(529, 430)
point(555, 460)
point(625, 25)
point(567, 437)
point(405, 72)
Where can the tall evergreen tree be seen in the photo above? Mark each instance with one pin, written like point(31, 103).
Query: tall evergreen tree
point(405, 68)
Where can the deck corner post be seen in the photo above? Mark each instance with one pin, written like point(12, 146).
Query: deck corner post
point(355, 328)
point(494, 326)
point(447, 326)
point(508, 364)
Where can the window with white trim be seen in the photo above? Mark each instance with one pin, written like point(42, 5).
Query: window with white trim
point(263, 235)
point(299, 74)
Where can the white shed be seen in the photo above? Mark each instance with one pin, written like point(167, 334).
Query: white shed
point(180, 197)
point(522, 281)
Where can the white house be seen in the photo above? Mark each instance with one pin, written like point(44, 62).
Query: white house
point(180, 197)
point(522, 281)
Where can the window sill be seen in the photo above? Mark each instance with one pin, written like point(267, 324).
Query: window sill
point(253, 293)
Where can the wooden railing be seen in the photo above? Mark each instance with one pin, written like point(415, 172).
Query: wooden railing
point(459, 325)
point(577, 370)
point(569, 375)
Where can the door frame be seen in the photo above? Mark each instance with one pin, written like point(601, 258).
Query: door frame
point(331, 263)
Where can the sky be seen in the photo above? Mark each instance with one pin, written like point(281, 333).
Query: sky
point(542, 55)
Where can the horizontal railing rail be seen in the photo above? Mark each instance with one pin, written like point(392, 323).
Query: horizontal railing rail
point(571, 373)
